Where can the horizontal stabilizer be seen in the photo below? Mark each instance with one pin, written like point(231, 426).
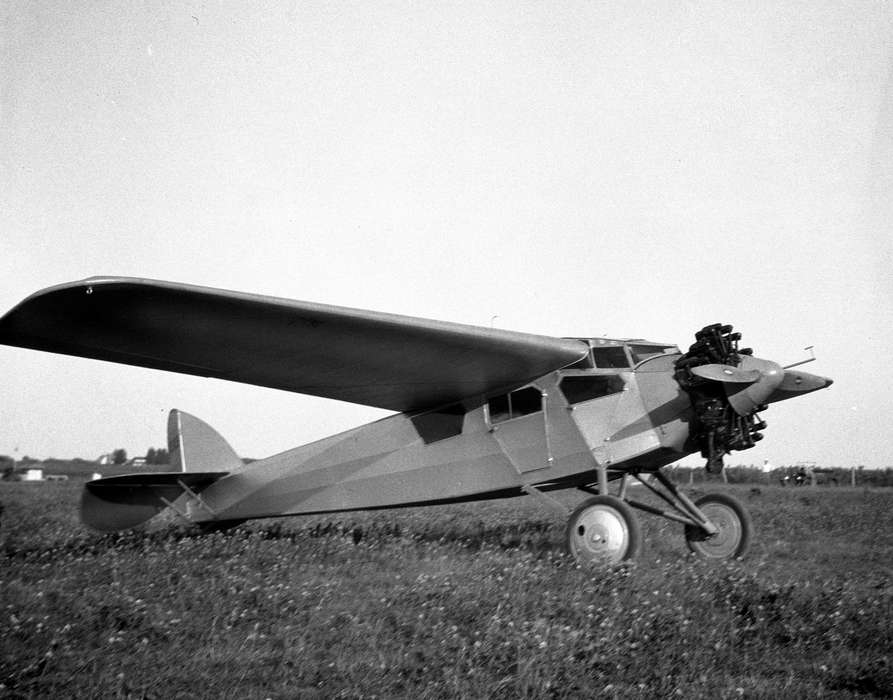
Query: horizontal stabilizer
point(121, 502)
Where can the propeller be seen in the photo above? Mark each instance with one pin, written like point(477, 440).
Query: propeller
point(726, 374)
point(729, 387)
point(722, 393)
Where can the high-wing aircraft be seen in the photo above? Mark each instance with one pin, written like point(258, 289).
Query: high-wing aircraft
point(481, 413)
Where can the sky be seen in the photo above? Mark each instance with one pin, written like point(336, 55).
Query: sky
point(568, 169)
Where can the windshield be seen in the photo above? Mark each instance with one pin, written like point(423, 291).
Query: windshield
point(642, 351)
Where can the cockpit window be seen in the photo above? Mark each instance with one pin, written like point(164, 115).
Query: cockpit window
point(611, 357)
point(643, 352)
point(585, 387)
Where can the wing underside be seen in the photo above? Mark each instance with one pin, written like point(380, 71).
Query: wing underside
point(384, 360)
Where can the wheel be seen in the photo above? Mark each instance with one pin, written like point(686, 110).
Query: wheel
point(603, 529)
point(733, 521)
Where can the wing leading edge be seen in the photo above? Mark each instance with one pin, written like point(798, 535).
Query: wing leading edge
point(389, 361)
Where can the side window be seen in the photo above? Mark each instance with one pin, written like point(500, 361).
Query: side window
point(519, 403)
point(585, 388)
point(526, 401)
point(611, 357)
point(499, 409)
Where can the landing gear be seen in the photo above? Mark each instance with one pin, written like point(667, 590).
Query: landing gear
point(603, 529)
point(732, 522)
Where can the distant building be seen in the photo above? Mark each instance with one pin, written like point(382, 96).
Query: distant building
point(104, 459)
point(138, 462)
point(33, 474)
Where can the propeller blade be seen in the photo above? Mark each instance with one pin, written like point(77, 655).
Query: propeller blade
point(745, 400)
point(726, 374)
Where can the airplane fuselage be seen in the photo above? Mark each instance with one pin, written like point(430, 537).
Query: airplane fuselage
point(619, 407)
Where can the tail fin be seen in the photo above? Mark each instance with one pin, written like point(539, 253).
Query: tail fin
point(194, 446)
point(196, 450)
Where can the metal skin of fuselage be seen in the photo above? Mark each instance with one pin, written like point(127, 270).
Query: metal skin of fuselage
point(404, 459)
point(389, 463)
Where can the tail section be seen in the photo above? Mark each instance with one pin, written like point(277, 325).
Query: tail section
point(194, 446)
point(201, 457)
point(121, 502)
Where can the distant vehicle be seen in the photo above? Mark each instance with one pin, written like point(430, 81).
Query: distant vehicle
point(803, 474)
point(481, 412)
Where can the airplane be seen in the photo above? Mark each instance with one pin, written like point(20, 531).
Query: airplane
point(480, 413)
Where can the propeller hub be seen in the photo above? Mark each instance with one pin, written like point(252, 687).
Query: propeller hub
point(746, 398)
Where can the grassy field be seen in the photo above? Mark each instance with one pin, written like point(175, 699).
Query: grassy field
point(455, 601)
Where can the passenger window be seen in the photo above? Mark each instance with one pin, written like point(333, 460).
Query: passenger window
point(612, 357)
point(526, 401)
point(519, 403)
point(499, 408)
point(585, 388)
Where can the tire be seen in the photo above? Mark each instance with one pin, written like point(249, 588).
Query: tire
point(603, 530)
point(735, 528)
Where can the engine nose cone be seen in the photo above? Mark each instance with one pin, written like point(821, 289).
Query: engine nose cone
point(797, 383)
point(745, 399)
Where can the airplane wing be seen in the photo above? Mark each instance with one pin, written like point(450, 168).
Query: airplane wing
point(384, 360)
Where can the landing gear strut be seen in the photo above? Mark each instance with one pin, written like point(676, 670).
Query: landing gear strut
point(604, 529)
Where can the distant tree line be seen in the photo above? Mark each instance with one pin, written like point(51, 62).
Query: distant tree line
point(7, 466)
point(157, 456)
point(747, 474)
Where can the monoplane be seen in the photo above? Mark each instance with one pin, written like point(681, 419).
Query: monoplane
point(480, 413)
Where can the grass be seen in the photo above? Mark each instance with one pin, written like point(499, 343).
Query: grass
point(476, 600)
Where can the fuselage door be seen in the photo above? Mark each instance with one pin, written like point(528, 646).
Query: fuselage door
point(518, 422)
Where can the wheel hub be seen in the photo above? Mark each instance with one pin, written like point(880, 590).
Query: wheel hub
point(724, 541)
point(601, 534)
